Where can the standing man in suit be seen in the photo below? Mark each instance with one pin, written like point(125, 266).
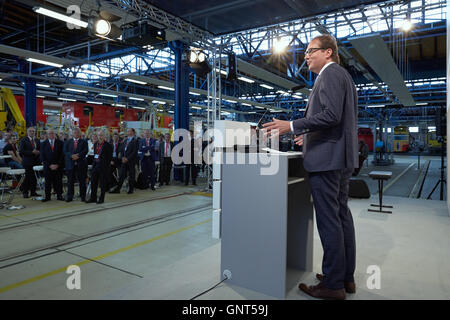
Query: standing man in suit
point(165, 153)
point(328, 133)
point(29, 150)
point(129, 161)
point(75, 151)
point(52, 157)
point(148, 156)
point(191, 168)
point(100, 168)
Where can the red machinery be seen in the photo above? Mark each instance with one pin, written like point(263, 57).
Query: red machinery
point(366, 135)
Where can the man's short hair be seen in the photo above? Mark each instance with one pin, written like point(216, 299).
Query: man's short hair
point(329, 42)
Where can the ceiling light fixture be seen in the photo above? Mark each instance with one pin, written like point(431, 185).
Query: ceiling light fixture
point(60, 16)
point(48, 63)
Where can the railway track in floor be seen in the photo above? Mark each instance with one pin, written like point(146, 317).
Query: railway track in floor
point(100, 235)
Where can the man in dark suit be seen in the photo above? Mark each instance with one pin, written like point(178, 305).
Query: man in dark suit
point(116, 159)
point(52, 157)
point(29, 150)
point(328, 133)
point(191, 167)
point(129, 160)
point(75, 151)
point(165, 153)
point(100, 168)
point(148, 156)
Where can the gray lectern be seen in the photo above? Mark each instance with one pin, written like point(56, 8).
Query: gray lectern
point(266, 224)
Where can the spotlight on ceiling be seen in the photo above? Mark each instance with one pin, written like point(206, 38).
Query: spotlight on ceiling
point(103, 27)
point(198, 61)
point(407, 25)
point(279, 45)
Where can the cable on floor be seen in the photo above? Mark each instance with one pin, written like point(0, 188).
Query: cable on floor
point(200, 294)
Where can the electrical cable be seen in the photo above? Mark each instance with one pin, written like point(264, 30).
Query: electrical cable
point(213, 287)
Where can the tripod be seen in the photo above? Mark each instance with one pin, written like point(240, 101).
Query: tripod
point(442, 180)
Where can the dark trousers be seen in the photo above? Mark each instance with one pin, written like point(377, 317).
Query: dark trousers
point(99, 175)
point(114, 173)
point(148, 171)
point(29, 183)
point(329, 190)
point(80, 173)
point(127, 169)
point(53, 178)
point(166, 167)
point(190, 171)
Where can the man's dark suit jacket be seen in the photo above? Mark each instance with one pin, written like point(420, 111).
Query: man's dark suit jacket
point(161, 150)
point(55, 156)
point(26, 151)
point(82, 150)
point(130, 151)
point(143, 149)
point(330, 123)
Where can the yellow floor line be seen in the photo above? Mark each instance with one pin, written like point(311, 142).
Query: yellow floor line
point(100, 257)
point(206, 194)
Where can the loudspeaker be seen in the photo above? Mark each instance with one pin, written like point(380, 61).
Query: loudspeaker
point(232, 67)
point(441, 122)
point(358, 189)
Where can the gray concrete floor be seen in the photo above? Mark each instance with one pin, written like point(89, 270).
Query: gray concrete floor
point(167, 252)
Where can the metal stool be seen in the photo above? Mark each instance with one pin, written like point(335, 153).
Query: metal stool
point(14, 173)
point(37, 172)
point(3, 185)
point(380, 176)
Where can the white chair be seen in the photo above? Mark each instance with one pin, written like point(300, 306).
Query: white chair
point(40, 180)
point(16, 175)
point(3, 185)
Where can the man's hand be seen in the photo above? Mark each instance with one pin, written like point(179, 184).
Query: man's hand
point(36, 152)
point(124, 160)
point(53, 166)
point(277, 127)
point(75, 157)
point(112, 163)
point(299, 140)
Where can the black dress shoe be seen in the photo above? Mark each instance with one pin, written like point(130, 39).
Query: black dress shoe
point(100, 201)
point(26, 196)
point(115, 191)
point(34, 194)
point(46, 199)
point(60, 198)
point(83, 199)
point(91, 201)
point(153, 188)
point(69, 200)
point(130, 191)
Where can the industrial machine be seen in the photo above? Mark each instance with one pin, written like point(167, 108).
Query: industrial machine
point(400, 142)
point(11, 118)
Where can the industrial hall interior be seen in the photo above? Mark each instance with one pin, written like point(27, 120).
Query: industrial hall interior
point(224, 150)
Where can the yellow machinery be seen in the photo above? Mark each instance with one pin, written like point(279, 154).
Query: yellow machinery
point(401, 139)
point(10, 115)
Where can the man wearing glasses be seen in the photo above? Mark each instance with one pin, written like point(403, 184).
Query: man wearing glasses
point(328, 133)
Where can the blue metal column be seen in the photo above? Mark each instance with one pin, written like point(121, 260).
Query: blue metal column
point(181, 115)
point(30, 96)
point(30, 102)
